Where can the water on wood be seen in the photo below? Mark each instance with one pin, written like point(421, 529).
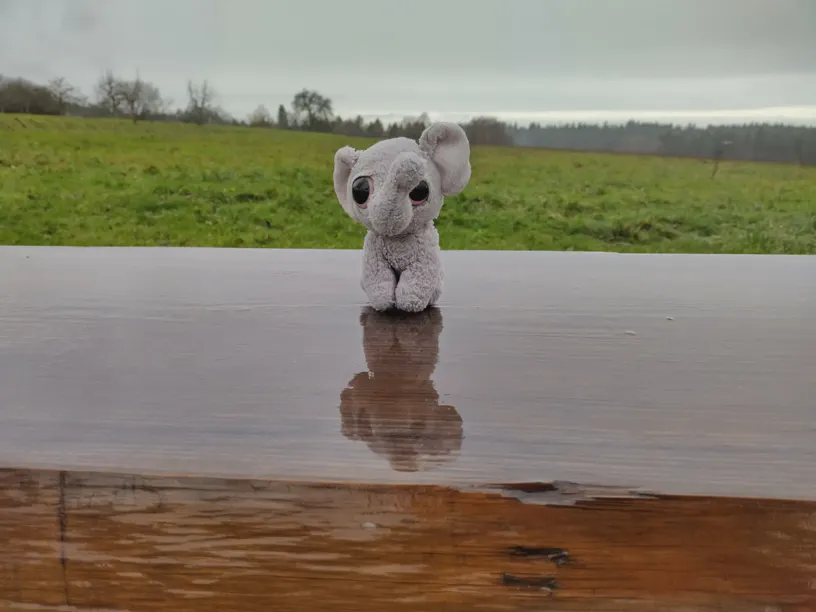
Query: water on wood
point(93, 541)
point(191, 429)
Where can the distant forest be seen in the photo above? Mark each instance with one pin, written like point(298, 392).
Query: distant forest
point(138, 100)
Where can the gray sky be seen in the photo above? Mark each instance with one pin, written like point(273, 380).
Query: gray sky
point(680, 60)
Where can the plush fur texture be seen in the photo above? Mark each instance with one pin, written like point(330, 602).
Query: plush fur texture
point(394, 407)
point(401, 258)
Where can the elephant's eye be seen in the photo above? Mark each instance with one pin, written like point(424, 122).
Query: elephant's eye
point(361, 190)
point(419, 193)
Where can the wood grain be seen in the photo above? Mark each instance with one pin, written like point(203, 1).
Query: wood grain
point(90, 541)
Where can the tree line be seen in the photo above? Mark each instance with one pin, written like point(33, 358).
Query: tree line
point(139, 99)
point(136, 98)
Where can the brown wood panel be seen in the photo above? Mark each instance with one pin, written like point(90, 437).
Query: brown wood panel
point(32, 549)
point(159, 543)
point(677, 374)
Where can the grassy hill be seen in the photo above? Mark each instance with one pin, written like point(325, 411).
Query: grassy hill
point(70, 181)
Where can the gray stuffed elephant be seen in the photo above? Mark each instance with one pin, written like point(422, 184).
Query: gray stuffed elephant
point(395, 188)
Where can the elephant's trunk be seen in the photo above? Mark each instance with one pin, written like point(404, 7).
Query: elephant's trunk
point(391, 211)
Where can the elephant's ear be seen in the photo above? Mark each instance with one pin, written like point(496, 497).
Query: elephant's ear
point(446, 144)
point(344, 161)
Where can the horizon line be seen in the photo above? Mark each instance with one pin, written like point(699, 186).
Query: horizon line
point(778, 114)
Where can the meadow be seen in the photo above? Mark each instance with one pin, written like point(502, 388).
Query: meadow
point(66, 181)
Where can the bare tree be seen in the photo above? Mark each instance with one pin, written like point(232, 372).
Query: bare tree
point(260, 117)
point(64, 94)
point(200, 99)
point(316, 107)
point(108, 93)
point(141, 99)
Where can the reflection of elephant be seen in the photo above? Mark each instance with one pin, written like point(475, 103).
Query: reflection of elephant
point(394, 407)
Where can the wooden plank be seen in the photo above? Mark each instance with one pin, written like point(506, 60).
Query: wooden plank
point(33, 518)
point(491, 454)
point(189, 544)
point(676, 374)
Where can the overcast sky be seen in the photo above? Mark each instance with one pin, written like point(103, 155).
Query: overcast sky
point(679, 60)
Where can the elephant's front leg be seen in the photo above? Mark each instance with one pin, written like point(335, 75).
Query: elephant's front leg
point(379, 280)
point(420, 285)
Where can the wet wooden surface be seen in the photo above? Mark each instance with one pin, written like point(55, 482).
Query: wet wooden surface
point(679, 374)
point(188, 429)
point(89, 541)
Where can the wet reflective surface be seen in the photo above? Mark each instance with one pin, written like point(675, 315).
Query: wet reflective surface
point(393, 406)
point(677, 374)
point(197, 429)
point(88, 541)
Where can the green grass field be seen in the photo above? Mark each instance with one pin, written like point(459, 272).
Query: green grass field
point(108, 182)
